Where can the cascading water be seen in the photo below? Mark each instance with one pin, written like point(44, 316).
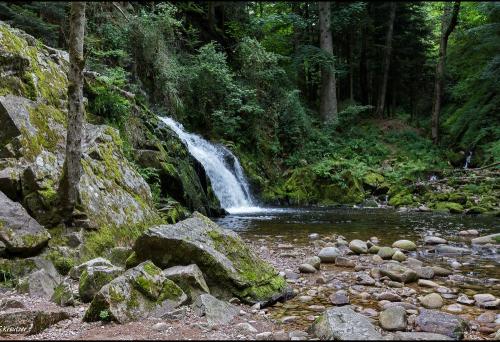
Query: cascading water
point(223, 169)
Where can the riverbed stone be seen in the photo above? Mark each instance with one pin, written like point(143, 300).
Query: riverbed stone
point(364, 279)
point(398, 272)
point(358, 246)
point(441, 271)
point(339, 298)
point(216, 311)
point(425, 272)
point(230, 267)
point(343, 323)
point(482, 240)
point(20, 232)
point(399, 256)
point(138, 293)
point(344, 262)
point(390, 296)
point(307, 268)
point(386, 252)
point(452, 250)
point(441, 323)
point(431, 301)
point(464, 299)
point(328, 254)
point(393, 319)
point(427, 283)
point(189, 278)
point(374, 249)
point(420, 336)
point(434, 240)
point(314, 236)
point(314, 261)
point(406, 245)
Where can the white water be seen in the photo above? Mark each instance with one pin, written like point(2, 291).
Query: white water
point(222, 167)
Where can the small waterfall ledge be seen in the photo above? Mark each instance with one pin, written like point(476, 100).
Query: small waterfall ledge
point(223, 169)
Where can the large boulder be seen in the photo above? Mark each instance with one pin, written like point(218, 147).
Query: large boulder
point(140, 292)
point(94, 278)
point(398, 272)
point(482, 240)
point(438, 322)
point(343, 323)
point(230, 267)
point(20, 233)
point(189, 278)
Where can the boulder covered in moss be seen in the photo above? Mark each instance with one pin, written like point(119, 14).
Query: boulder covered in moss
point(94, 278)
point(231, 269)
point(20, 233)
point(140, 292)
point(189, 278)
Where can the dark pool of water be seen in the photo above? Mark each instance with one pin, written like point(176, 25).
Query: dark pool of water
point(388, 225)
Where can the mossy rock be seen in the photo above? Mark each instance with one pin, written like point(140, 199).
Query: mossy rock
point(94, 278)
point(401, 198)
point(230, 267)
point(449, 206)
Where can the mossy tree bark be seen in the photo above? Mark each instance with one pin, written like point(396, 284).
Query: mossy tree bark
point(386, 61)
point(328, 97)
point(72, 164)
point(448, 23)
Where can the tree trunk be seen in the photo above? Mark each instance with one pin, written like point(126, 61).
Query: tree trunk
point(72, 165)
point(328, 95)
point(386, 62)
point(447, 26)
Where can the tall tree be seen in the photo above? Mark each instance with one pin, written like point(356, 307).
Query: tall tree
point(72, 164)
point(328, 97)
point(386, 61)
point(448, 23)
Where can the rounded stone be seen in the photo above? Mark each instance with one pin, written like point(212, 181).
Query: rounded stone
point(434, 240)
point(406, 245)
point(399, 256)
point(393, 319)
point(339, 298)
point(431, 301)
point(314, 261)
point(374, 249)
point(314, 236)
point(328, 254)
point(358, 246)
point(386, 252)
point(307, 268)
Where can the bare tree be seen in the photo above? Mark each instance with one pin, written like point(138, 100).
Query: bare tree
point(448, 23)
point(328, 96)
point(386, 61)
point(72, 164)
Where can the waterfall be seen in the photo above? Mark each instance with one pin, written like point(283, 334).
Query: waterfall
point(222, 167)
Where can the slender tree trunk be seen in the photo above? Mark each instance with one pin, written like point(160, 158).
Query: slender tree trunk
point(363, 68)
point(386, 62)
point(328, 96)
point(447, 26)
point(72, 165)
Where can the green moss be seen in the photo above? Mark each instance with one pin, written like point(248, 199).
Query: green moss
point(449, 206)
point(61, 263)
point(132, 261)
point(170, 290)
point(151, 269)
point(115, 296)
point(133, 301)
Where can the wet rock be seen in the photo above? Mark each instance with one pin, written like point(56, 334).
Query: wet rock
point(94, 278)
point(314, 236)
point(427, 283)
point(393, 319)
point(316, 308)
point(434, 240)
point(406, 305)
point(289, 319)
point(377, 259)
point(31, 321)
point(482, 240)
point(454, 308)
point(487, 301)
point(464, 299)
point(386, 252)
point(431, 301)
point(342, 323)
point(307, 268)
point(470, 232)
point(412, 262)
point(398, 273)
point(339, 298)
point(314, 261)
point(441, 323)
point(369, 312)
point(189, 278)
point(390, 296)
point(216, 311)
point(394, 284)
point(441, 271)
point(358, 246)
point(425, 272)
point(374, 249)
point(305, 299)
point(486, 317)
point(406, 245)
point(452, 250)
point(399, 256)
point(420, 336)
point(140, 292)
point(20, 233)
point(344, 262)
point(328, 254)
point(364, 279)
point(230, 267)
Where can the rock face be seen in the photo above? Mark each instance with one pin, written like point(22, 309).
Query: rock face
point(230, 267)
point(343, 323)
point(189, 278)
point(441, 323)
point(20, 233)
point(216, 311)
point(138, 293)
point(33, 133)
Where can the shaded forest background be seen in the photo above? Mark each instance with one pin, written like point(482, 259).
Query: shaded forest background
point(248, 74)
